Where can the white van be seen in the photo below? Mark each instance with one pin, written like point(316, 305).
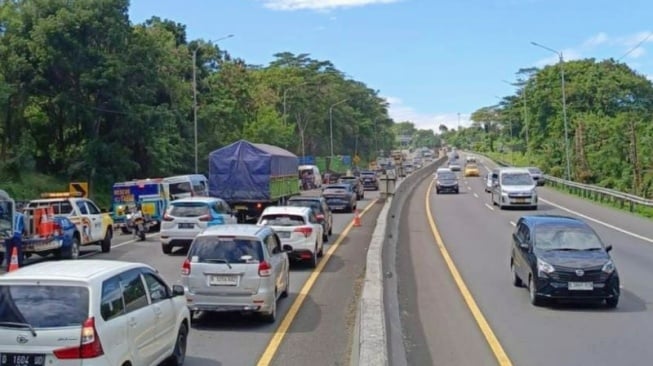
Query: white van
point(514, 187)
point(309, 177)
point(191, 185)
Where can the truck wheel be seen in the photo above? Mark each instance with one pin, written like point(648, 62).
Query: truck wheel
point(72, 252)
point(125, 230)
point(106, 242)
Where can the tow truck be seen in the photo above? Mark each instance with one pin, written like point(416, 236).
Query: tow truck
point(153, 195)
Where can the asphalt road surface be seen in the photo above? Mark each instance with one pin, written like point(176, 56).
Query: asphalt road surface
point(439, 327)
point(321, 329)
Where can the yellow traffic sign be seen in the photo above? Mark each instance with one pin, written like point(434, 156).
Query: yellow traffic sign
point(357, 159)
point(79, 189)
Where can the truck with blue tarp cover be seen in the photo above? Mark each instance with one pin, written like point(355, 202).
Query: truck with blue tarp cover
point(152, 194)
point(251, 177)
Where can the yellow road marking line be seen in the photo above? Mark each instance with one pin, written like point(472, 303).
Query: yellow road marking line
point(275, 342)
point(491, 339)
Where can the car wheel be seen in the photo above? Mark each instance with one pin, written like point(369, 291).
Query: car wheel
point(125, 230)
point(516, 281)
point(286, 291)
point(314, 257)
point(271, 317)
point(179, 352)
point(437, 191)
point(73, 251)
point(331, 229)
point(612, 302)
point(532, 291)
point(166, 248)
point(325, 237)
point(106, 242)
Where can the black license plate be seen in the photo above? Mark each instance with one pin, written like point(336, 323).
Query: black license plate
point(186, 226)
point(20, 359)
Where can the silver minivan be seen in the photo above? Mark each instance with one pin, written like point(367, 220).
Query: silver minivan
point(514, 187)
point(236, 268)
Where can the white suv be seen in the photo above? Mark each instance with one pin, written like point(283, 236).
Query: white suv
point(297, 227)
point(95, 312)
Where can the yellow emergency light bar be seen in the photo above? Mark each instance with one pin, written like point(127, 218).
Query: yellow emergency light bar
point(60, 194)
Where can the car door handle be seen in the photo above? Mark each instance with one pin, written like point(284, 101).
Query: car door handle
point(157, 311)
point(132, 322)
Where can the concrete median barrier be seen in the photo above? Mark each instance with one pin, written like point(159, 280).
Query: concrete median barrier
point(377, 336)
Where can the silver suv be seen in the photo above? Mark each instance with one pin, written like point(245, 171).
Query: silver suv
point(236, 268)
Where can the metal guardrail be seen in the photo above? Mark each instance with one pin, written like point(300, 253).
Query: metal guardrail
point(591, 191)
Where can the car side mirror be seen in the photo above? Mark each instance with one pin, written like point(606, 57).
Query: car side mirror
point(287, 248)
point(177, 290)
point(608, 248)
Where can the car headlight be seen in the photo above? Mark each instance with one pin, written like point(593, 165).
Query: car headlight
point(544, 267)
point(608, 267)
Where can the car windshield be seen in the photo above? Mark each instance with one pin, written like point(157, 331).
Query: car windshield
point(315, 205)
point(44, 306)
point(556, 237)
point(282, 220)
point(207, 249)
point(517, 179)
point(188, 209)
point(446, 176)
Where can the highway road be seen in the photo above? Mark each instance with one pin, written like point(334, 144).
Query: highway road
point(438, 322)
point(319, 327)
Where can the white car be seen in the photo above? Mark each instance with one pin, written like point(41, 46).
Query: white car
point(297, 227)
point(91, 312)
point(187, 217)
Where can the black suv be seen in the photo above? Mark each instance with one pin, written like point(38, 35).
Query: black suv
point(370, 181)
point(560, 257)
point(446, 182)
point(356, 183)
point(321, 209)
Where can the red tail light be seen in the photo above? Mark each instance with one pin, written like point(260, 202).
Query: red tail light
point(167, 217)
point(264, 269)
point(89, 347)
point(57, 229)
point(205, 218)
point(185, 268)
point(307, 231)
point(319, 216)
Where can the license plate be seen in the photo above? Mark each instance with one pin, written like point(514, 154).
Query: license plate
point(283, 234)
point(520, 200)
point(223, 280)
point(240, 208)
point(581, 286)
point(19, 359)
point(186, 225)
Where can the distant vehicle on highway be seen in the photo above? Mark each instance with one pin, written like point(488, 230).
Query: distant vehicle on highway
point(370, 180)
point(340, 196)
point(299, 228)
point(537, 175)
point(356, 183)
point(100, 312)
point(471, 170)
point(560, 257)
point(187, 217)
point(446, 181)
point(454, 165)
point(237, 268)
point(514, 187)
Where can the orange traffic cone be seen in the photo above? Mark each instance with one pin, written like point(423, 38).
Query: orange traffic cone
point(13, 264)
point(357, 219)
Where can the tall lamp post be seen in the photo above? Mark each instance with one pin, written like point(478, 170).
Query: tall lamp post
point(331, 122)
point(195, 95)
point(564, 102)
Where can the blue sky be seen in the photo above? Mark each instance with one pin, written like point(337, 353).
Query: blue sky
point(430, 59)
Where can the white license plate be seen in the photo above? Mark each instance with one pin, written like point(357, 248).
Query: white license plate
point(283, 234)
point(223, 280)
point(581, 286)
point(520, 200)
point(186, 226)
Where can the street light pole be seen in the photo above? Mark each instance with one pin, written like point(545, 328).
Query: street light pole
point(195, 97)
point(564, 103)
point(331, 122)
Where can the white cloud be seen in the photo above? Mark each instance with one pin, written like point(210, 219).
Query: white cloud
point(320, 4)
point(425, 121)
point(597, 40)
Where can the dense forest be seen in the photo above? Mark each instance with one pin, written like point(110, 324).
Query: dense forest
point(609, 110)
point(87, 95)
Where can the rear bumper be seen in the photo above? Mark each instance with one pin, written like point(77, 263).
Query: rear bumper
point(259, 302)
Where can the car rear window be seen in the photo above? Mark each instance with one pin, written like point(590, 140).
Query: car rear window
point(44, 306)
point(282, 220)
point(188, 209)
point(336, 188)
point(315, 205)
point(219, 249)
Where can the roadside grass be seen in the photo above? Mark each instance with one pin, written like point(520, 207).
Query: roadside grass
point(518, 159)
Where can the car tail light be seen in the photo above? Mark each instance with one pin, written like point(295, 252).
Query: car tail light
point(185, 268)
point(264, 269)
point(320, 216)
point(89, 347)
point(307, 231)
point(57, 229)
point(205, 218)
point(167, 217)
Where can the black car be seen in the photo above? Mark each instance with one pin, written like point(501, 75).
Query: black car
point(370, 180)
point(340, 197)
point(537, 175)
point(356, 183)
point(321, 209)
point(560, 257)
point(446, 182)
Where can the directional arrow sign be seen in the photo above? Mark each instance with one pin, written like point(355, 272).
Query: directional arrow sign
point(79, 189)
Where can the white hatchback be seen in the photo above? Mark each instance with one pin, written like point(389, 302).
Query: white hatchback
point(91, 312)
point(297, 227)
